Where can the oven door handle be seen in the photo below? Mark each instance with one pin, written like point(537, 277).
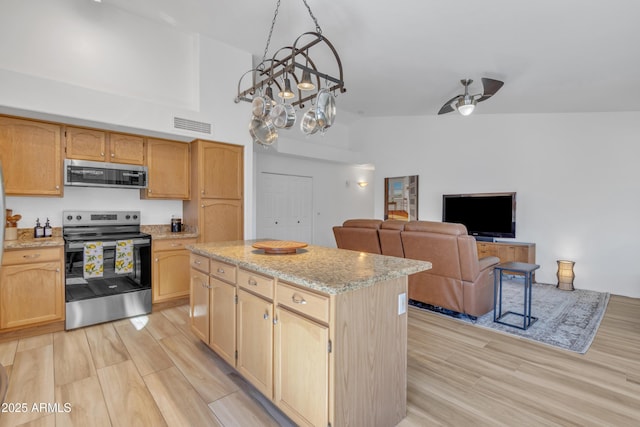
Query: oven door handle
point(108, 244)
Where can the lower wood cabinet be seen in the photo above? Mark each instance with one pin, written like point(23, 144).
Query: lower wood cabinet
point(170, 272)
point(31, 287)
point(301, 368)
point(212, 305)
point(222, 319)
point(255, 341)
point(508, 251)
point(199, 303)
point(322, 359)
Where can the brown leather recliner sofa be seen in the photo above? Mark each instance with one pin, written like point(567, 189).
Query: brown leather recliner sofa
point(359, 235)
point(458, 280)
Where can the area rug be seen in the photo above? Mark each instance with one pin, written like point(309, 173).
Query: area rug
point(566, 319)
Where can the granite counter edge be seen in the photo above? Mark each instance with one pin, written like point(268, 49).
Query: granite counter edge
point(301, 281)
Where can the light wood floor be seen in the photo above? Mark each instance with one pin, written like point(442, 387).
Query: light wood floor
point(157, 373)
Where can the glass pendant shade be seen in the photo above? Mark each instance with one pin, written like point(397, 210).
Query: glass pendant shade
point(465, 106)
point(286, 93)
point(305, 82)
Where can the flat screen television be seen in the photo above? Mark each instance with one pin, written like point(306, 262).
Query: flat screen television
point(486, 215)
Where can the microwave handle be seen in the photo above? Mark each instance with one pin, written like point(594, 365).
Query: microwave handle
point(86, 172)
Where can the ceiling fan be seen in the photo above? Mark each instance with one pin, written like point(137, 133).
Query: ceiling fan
point(466, 103)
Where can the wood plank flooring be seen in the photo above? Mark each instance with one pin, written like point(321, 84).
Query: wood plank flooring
point(152, 371)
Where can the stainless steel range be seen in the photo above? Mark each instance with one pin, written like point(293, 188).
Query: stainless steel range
point(108, 267)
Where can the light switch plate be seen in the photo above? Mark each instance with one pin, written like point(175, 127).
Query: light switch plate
point(402, 303)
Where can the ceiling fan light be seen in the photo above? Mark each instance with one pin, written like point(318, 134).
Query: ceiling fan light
point(305, 82)
point(286, 93)
point(465, 106)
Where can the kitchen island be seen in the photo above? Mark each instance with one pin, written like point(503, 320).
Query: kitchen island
point(321, 332)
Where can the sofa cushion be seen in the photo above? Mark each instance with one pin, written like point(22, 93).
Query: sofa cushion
point(449, 228)
point(390, 240)
point(359, 235)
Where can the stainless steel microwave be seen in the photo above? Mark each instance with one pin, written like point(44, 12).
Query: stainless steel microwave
point(98, 174)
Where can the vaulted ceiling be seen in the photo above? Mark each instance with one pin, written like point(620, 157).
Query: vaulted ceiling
point(407, 57)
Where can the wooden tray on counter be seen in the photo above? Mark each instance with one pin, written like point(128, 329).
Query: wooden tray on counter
point(279, 247)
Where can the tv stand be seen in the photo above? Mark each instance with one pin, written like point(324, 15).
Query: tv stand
point(508, 251)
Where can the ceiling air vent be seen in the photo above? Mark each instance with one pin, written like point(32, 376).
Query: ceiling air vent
point(191, 125)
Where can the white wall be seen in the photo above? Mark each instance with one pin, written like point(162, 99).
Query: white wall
point(336, 194)
point(576, 178)
point(82, 198)
point(91, 64)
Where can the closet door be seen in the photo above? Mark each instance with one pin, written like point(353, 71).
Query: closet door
point(285, 206)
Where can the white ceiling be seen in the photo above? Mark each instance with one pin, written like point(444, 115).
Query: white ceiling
point(406, 57)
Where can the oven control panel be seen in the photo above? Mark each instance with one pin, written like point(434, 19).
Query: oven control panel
point(100, 218)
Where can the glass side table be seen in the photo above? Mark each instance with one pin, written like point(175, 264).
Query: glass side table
point(516, 267)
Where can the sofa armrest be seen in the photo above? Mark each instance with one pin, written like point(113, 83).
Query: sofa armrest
point(488, 262)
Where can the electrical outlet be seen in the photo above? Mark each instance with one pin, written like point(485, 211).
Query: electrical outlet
point(402, 303)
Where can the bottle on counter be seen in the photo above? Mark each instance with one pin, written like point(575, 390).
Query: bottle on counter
point(38, 230)
point(176, 224)
point(48, 231)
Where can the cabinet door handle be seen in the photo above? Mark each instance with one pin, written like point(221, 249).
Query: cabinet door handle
point(275, 320)
point(197, 262)
point(57, 270)
point(57, 187)
point(113, 155)
point(298, 300)
point(175, 245)
point(252, 281)
point(220, 270)
point(102, 154)
point(31, 256)
point(149, 191)
point(265, 316)
point(156, 259)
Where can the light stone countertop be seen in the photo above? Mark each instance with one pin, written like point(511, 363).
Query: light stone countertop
point(163, 232)
point(328, 270)
point(26, 240)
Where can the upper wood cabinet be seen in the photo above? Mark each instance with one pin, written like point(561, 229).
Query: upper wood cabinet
point(85, 144)
point(169, 166)
point(31, 157)
point(222, 176)
point(125, 148)
point(101, 146)
point(217, 185)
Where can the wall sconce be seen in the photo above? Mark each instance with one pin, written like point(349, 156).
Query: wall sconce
point(363, 184)
point(565, 275)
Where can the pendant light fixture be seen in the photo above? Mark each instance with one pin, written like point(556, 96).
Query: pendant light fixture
point(286, 92)
point(305, 82)
point(295, 62)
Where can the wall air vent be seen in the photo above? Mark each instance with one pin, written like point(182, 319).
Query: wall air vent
point(191, 125)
